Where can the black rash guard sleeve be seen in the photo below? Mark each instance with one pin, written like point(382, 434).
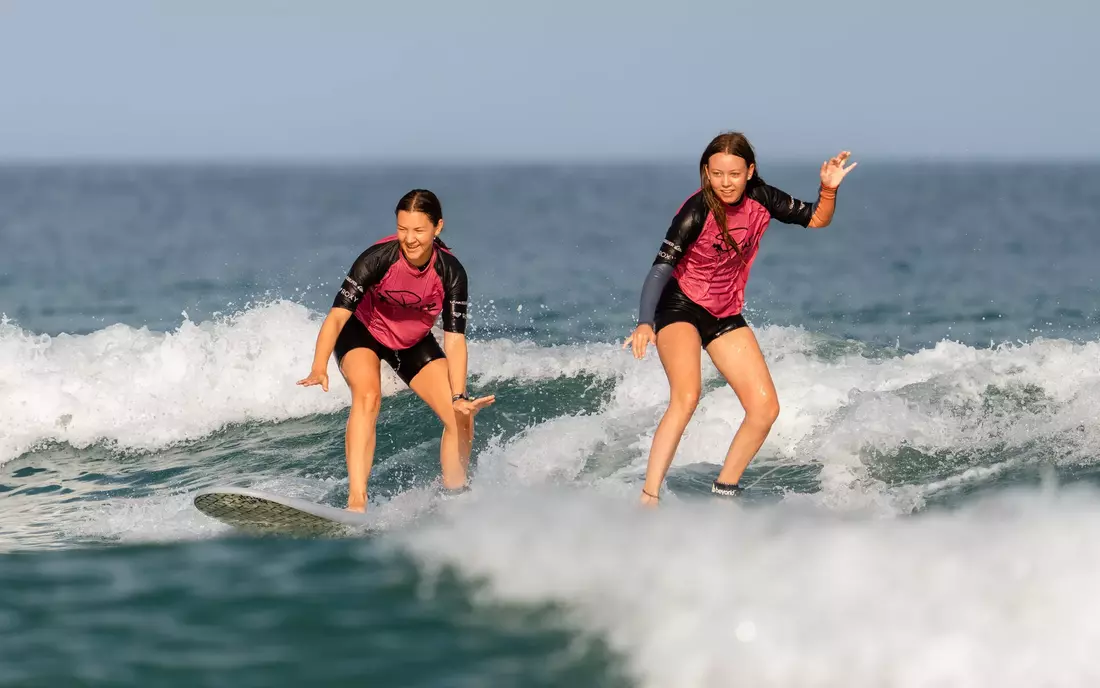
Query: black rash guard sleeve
point(367, 270)
point(682, 233)
point(455, 290)
point(781, 205)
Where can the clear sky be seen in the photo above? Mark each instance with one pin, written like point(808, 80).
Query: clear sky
point(563, 79)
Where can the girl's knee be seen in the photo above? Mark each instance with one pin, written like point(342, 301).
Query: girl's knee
point(369, 402)
point(684, 400)
point(763, 413)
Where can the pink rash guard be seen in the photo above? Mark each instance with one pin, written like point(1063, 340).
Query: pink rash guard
point(398, 302)
point(709, 272)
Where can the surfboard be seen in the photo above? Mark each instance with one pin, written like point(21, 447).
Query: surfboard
point(259, 512)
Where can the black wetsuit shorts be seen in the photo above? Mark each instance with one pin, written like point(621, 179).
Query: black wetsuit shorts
point(675, 306)
point(406, 362)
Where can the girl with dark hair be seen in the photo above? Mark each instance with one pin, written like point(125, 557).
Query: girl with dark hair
point(395, 290)
point(694, 293)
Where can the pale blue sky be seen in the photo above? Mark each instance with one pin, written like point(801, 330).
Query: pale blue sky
point(370, 80)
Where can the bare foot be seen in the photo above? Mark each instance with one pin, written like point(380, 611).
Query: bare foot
point(358, 508)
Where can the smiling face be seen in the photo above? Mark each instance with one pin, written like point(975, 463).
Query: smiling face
point(415, 234)
point(728, 175)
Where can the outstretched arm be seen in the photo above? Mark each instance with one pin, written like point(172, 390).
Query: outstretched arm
point(785, 208)
point(326, 342)
point(682, 233)
point(455, 310)
point(367, 271)
point(832, 173)
point(823, 209)
point(652, 288)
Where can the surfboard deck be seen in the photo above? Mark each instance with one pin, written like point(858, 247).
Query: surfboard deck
point(259, 512)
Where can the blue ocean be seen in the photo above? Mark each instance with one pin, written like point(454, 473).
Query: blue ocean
point(926, 510)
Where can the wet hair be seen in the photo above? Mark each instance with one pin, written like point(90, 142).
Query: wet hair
point(422, 201)
point(731, 143)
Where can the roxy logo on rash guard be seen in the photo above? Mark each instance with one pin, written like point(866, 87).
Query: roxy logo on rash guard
point(667, 255)
point(349, 289)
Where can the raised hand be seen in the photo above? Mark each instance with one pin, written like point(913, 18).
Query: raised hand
point(833, 169)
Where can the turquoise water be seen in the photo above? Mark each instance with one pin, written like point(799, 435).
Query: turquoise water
point(924, 511)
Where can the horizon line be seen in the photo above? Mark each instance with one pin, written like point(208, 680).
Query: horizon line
point(348, 161)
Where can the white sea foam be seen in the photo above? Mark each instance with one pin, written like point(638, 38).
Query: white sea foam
point(708, 594)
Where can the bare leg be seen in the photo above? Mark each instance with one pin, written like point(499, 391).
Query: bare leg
point(678, 345)
point(433, 386)
point(466, 428)
point(737, 356)
point(361, 370)
point(465, 439)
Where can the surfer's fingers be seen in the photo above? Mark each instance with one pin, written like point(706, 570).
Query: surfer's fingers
point(315, 380)
point(463, 407)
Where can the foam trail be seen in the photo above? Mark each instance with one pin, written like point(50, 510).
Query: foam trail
point(699, 595)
